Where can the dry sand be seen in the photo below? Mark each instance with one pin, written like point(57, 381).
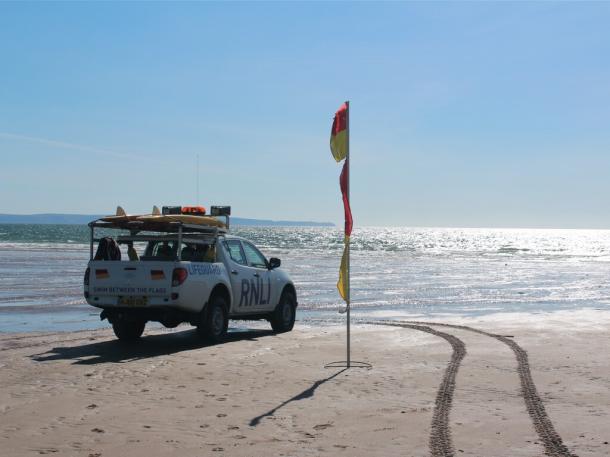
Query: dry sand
point(84, 394)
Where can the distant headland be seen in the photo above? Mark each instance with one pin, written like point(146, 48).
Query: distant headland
point(53, 218)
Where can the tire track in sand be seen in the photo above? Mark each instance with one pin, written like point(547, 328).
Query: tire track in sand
point(553, 444)
point(440, 442)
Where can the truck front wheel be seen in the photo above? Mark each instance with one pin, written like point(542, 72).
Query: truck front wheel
point(215, 321)
point(282, 319)
point(128, 331)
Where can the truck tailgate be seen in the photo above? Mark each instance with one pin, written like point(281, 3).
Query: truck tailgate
point(129, 283)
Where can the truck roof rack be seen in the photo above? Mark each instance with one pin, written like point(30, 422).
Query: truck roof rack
point(208, 228)
point(166, 227)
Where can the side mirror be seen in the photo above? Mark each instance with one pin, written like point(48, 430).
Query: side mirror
point(274, 263)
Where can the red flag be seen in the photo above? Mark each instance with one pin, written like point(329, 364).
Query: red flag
point(343, 183)
point(338, 134)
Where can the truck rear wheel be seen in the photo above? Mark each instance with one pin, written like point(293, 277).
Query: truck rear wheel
point(282, 319)
point(128, 331)
point(215, 321)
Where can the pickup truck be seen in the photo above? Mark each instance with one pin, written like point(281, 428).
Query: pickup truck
point(185, 273)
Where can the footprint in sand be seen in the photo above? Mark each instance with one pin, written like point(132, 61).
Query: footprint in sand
point(322, 426)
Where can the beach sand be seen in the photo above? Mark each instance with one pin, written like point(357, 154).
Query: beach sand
point(260, 394)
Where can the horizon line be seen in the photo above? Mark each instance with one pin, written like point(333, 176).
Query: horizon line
point(333, 224)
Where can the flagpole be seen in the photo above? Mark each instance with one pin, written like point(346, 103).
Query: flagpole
point(339, 146)
point(348, 243)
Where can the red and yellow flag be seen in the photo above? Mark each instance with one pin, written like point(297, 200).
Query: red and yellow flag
point(338, 134)
point(339, 146)
point(343, 283)
point(344, 185)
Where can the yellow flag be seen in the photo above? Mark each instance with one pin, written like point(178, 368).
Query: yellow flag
point(343, 283)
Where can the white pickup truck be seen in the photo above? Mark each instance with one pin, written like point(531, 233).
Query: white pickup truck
point(186, 272)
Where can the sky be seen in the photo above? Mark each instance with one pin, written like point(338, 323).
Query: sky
point(463, 114)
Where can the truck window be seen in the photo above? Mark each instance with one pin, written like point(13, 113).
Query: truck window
point(234, 249)
point(254, 257)
point(160, 250)
point(199, 253)
point(187, 253)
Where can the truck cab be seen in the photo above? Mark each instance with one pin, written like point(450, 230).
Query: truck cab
point(186, 271)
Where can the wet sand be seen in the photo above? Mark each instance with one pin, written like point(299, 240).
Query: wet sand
point(260, 394)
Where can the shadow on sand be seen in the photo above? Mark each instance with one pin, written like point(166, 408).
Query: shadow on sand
point(147, 347)
point(307, 393)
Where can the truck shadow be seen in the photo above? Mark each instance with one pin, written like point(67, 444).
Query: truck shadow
point(150, 346)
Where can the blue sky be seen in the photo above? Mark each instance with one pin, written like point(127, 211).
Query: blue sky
point(463, 114)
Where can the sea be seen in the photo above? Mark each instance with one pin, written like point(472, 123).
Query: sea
point(395, 272)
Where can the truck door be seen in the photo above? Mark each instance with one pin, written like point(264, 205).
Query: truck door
point(240, 275)
point(260, 289)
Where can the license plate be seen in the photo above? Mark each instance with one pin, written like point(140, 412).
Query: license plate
point(133, 301)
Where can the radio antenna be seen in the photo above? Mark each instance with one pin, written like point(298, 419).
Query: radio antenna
point(197, 180)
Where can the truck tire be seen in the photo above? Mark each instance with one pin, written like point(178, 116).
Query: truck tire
point(128, 331)
point(215, 321)
point(282, 319)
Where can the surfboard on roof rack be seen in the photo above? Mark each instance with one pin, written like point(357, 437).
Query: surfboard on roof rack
point(122, 216)
point(169, 219)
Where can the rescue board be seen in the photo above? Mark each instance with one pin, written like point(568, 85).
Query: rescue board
point(184, 218)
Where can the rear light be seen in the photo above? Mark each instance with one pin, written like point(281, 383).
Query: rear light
point(179, 276)
point(86, 278)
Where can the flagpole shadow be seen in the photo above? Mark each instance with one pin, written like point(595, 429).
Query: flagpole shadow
point(307, 393)
point(351, 364)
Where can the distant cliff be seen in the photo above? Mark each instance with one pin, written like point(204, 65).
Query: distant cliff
point(85, 218)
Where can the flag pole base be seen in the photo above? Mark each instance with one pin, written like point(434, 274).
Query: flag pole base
point(352, 364)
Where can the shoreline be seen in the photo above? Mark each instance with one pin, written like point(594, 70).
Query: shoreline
point(72, 319)
point(82, 393)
